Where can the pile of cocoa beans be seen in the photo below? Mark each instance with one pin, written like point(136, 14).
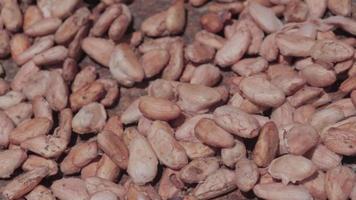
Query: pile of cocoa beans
point(260, 103)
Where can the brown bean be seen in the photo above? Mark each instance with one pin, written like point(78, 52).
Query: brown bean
point(114, 147)
point(267, 145)
point(208, 132)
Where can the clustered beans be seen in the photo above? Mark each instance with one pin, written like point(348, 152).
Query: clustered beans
point(259, 104)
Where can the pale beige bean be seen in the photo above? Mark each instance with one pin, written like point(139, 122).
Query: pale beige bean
point(207, 74)
point(154, 25)
point(84, 77)
point(331, 51)
point(175, 66)
point(216, 184)
point(267, 145)
point(104, 195)
point(342, 7)
point(236, 121)
point(43, 27)
point(315, 185)
point(63, 8)
point(339, 182)
point(208, 132)
point(250, 66)
point(29, 129)
point(96, 184)
point(142, 164)
point(79, 156)
point(186, 131)
point(269, 49)
point(46, 7)
point(245, 105)
point(341, 141)
point(70, 188)
point(246, 174)
point(71, 26)
point(120, 25)
point(153, 62)
point(324, 158)
point(132, 113)
point(57, 93)
point(34, 161)
point(23, 75)
point(10, 99)
point(125, 66)
point(11, 160)
point(199, 53)
point(169, 152)
point(39, 46)
point(107, 169)
point(264, 17)
point(114, 147)
point(198, 169)
point(158, 108)
point(6, 126)
point(18, 44)
point(90, 118)
point(324, 117)
point(316, 8)
point(283, 115)
point(210, 39)
point(317, 76)
point(294, 45)
point(170, 184)
point(229, 156)
point(233, 7)
point(279, 191)
point(289, 83)
point(300, 139)
point(41, 108)
point(37, 84)
point(197, 150)
point(89, 93)
point(175, 19)
point(31, 15)
point(304, 95)
point(11, 15)
point(114, 125)
point(161, 88)
point(239, 42)
point(105, 19)
point(260, 91)
point(19, 112)
point(51, 56)
point(40, 192)
point(291, 168)
point(197, 98)
point(99, 49)
point(47, 146)
point(24, 183)
point(296, 11)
